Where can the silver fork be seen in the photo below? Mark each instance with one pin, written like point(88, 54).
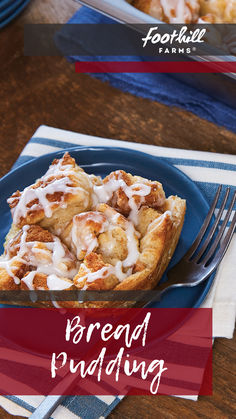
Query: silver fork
point(206, 253)
point(193, 268)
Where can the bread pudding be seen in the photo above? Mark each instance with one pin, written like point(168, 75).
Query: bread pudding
point(74, 231)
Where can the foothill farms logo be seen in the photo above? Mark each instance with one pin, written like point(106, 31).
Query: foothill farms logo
point(174, 42)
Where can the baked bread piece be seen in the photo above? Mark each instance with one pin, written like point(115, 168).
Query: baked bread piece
point(104, 231)
point(38, 251)
point(170, 11)
point(220, 11)
point(127, 193)
point(11, 272)
point(53, 200)
point(189, 11)
point(158, 236)
point(124, 241)
point(37, 281)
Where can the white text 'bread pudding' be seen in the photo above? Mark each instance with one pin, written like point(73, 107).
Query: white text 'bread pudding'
point(76, 231)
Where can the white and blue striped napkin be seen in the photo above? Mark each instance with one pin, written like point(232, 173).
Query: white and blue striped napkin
point(207, 170)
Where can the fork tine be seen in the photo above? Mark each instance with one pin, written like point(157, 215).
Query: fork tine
point(205, 225)
point(213, 228)
point(224, 245)
point(211, 251)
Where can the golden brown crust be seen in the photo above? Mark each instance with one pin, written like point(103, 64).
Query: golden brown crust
point(7, 281)
point(65, 189)
point(120, 198)
point(146, 216)
point(39, 282)
point(105, 278)
point(112, 245)
point(34, 234)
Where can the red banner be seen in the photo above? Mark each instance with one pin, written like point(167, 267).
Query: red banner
point(155, 67)
point(105, 351)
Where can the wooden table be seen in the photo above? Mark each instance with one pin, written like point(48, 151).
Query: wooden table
point(46, 90)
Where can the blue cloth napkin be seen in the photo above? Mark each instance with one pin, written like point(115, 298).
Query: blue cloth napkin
point(159, 87)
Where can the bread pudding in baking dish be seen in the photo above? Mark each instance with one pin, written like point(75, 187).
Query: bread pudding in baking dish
point(74, 231)
point(189, 11)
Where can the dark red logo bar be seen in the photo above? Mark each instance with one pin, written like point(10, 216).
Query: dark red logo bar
point(155, 67)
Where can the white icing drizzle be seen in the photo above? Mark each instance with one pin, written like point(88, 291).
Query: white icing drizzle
point(41, 193)
point(83, 230)
point(130, 191)
point(29, 279)
point(131, 259)
point(108, 220)
point(131, 235)
point(84, 237)
point(158, 221)
point(51, 260)
point(184, 11)
point(55, 304)
point(132, 245)
point(103, 193)
point(104, 272)
point(56, 284)
point(8, 265)
point(119, 272)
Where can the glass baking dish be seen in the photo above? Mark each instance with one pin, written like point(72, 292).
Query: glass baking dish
point(221, 86)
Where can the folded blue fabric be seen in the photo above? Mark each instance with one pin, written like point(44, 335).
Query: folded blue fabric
point(159, 87)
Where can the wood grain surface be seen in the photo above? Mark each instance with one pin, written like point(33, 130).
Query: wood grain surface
point(46, 90)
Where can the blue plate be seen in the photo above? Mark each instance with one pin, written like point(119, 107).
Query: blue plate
point(8, 14)
point(101, 161)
